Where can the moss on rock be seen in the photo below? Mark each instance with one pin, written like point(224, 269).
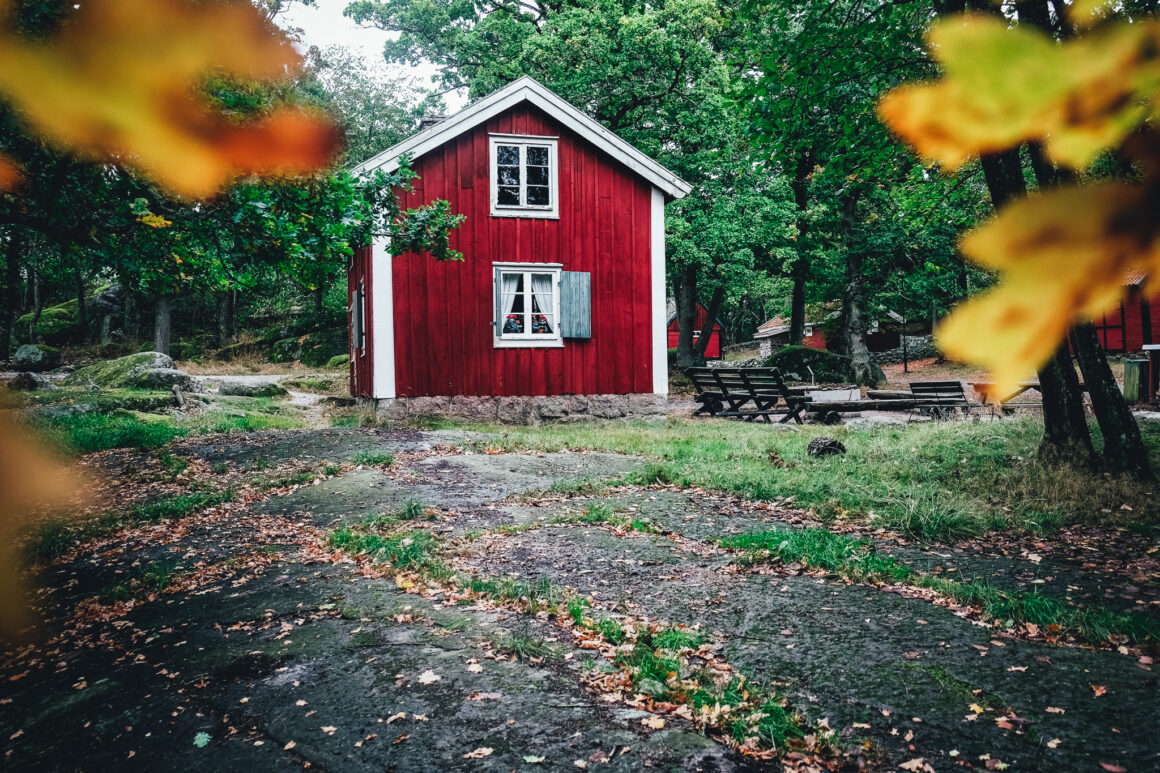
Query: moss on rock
point(121, 372)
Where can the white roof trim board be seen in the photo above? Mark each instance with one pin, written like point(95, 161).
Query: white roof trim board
point(529, 90)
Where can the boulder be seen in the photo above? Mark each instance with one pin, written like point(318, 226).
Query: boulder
point(321, 346)
point(36, 358)
point(164, 378)
point(242, 389)
point(57, 324)
point(825, 446)
point(339, 361)
point(121, 372)
point(796, 362)
point(1147, 415)
point(286, 350)
point(30, 382)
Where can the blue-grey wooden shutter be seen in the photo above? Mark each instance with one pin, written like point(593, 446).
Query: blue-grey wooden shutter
point(576, 304)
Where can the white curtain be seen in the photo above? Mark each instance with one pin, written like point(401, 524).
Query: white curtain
point(542, 292)
point(508, 296)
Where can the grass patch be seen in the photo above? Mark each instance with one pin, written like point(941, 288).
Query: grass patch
point(51, 539)
point(409, 551)
point(176, 507)
point(86, 433)
point(820, 549)
point(857, 559)
point(523, 646)
point(530, 596)
point(374, 459)
point(600, 513)
point(940, 481)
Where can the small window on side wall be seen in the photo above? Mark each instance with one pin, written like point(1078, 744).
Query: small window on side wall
point(527, 305)
point(523, 176)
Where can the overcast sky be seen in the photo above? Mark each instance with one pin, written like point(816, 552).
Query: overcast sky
point(324, 25)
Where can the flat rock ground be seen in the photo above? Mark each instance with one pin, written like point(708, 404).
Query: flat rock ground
point(267, 650)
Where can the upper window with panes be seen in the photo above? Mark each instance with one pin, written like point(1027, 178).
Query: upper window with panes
point(523, 176)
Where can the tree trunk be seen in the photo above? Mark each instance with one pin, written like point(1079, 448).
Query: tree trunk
point(11, 295)
point(854, 313)
point(686, 298)
point(82, 309)
point(707, 331)
point(800, 268)
point(1124, 449)
point(223, 319)
point(1063, 413)
point(162, 319)
point(37, 308)
point(1065, 431)
point(318, 293)
point(233, 316)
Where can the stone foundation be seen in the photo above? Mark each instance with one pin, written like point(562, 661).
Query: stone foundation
point(523, 410)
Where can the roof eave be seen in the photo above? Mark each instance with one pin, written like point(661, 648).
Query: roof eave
point(530, 90)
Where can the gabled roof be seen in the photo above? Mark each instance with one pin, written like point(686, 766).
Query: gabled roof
point(527, 89)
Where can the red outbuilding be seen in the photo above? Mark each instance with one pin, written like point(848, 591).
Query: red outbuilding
point(1135, 323)
point(560, 298)
point(713, 348)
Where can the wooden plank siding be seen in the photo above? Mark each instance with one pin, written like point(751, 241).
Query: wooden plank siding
point(443, 311)
point(361, 365)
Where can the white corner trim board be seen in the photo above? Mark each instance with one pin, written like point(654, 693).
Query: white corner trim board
point(383, 322)
point(528, 89)
point(660, 338)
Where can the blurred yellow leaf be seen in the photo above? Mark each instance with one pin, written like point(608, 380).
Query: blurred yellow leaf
point(1063, 257)
point(121, 80)
point(9, 174)
point(1003, 86)
point(29, 479)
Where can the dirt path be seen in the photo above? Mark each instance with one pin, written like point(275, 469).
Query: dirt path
point(265, 649)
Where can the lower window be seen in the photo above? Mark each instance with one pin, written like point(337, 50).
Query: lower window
point(527, 310)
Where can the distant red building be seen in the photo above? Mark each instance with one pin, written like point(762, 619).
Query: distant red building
point(774, 334)
point(1135, 323)
point(713, 349)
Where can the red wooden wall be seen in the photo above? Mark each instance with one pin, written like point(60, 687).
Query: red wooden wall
point(361, 366)
point(713, 349)
point(443, 311)
point(1135, 323)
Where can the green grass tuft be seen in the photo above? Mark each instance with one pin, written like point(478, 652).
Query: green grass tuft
point(374, 459)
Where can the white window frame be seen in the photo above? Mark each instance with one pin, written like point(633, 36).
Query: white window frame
point(523, 141)
point(525, 340)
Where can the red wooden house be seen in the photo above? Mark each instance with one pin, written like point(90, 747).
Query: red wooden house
point(1135, 323)
point(560, 300)
point(713, 348)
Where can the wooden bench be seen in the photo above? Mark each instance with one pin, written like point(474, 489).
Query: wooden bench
point(939, 398)
point(728, 393)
